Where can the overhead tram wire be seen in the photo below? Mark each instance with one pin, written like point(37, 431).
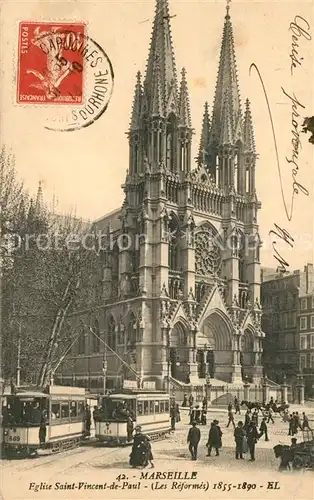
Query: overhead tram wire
point(102, 341)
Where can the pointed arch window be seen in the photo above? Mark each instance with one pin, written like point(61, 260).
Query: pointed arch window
point(96, 336)
point(170, 143)
point(131, 332)
point(174, 248)
point(247, 180)
point(111, 333)
point(236, 171)
point(115, 268)
point(241, 256)
point(217, 170)
point(81, 341)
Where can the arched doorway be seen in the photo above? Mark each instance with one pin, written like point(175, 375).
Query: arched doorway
point(218, 346)
point(179, 352)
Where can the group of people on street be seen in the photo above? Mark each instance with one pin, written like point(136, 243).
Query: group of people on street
point(295, 423)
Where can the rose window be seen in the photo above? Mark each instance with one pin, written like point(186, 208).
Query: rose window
point(207, 253)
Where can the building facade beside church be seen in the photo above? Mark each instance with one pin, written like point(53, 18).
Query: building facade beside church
point(181, 279)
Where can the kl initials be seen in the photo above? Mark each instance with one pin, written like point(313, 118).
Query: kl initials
point(51, 63)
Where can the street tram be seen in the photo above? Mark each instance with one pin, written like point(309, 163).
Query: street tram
point(22, 412)
point(120, 413)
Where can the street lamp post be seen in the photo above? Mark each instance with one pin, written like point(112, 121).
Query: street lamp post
point(104, 371)
point(208, 389)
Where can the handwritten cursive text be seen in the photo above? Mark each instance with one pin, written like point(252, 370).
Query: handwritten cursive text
point(300, 28)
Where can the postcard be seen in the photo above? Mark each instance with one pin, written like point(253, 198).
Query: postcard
point(156, 239)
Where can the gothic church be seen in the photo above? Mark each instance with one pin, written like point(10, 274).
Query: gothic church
point(181, 283)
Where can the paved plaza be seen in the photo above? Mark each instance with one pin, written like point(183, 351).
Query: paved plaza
point(92, 464)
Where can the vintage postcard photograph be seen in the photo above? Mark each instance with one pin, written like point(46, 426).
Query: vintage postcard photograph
point(156, 249)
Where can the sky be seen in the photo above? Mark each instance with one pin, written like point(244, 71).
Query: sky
point(84, 169)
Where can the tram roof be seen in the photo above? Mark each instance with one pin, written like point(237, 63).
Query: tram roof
point(131, 394)
point(30, 394)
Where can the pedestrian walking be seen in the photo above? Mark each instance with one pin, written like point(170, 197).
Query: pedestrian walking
point(270, 415)
point(264, 429)
point(149, 453)
point(305, 423)
point(193, 440)
point(178, 415)
point(247, 419)
point(139, 453)
point(197, 414)
point(192, 415)
point(291, 421)
point(173, 417)
point(230, 418)
point(214, 438)
point(88, 420)
point(252, 438)
point(298, 421)
point(239, 434)
point(95, 415)
point(204, 416)
point(237, 406)
point(255, 417)
point(185, 401)
point(191, 400)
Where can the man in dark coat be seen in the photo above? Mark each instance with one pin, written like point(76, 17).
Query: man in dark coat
point(305, 423)
point(88, 420)
point(173, 417)
point(239, 434)
point(263, 429)
point(193, 440)
point(247, 419)
point(140, 449)
point(252, 437)
point(43, 427)
point(129, 427)
point(214, 438)
point(237, 406)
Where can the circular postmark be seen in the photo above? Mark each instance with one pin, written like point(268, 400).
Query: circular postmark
point(66, 71)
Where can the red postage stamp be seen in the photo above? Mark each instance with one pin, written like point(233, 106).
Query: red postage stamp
point(51, 63)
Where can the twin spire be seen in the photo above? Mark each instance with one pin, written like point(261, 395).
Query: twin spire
point(158, 95)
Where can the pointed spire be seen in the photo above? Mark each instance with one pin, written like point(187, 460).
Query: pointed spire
point(184, 102)
point(248, 133)
point(226, 81)
point(137, 103)
point(161, 48)
point(39, 198)
point(205, 136)
point(156, 104)
point(226, 135)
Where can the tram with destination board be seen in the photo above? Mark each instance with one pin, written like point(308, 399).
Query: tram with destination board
point(120, 413)
point(57, 418)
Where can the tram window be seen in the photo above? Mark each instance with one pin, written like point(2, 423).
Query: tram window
point(162, 407)
point(146, 410)
point(140, 408)
point(156, 406)
point(166, 406)
point(80, 409)
point(64, 410)
point(73, 409)
point(151, 407)
point(55, 411)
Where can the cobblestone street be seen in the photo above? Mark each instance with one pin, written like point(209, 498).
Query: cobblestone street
point(94, 464)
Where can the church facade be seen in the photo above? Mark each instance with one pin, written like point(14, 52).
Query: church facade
point(181, 278)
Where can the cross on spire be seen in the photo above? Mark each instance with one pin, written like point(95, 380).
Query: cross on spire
point(228, 6)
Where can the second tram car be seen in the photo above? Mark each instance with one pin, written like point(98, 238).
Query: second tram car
point(64, 412)
point(121, 412)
